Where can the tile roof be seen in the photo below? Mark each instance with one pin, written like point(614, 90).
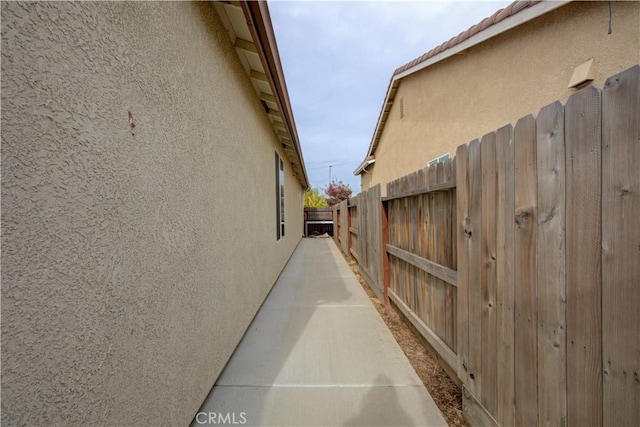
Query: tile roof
point(500, 15)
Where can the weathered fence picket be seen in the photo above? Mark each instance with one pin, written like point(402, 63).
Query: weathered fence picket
point(550, 268)
point(505, 276)
point(369, 245)
point(583, 189)
point(621, 249)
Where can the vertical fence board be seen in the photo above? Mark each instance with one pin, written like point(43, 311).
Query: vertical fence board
point(449, 255)
point(413, 217)
point(454, 240)
point(621, 249)
point(462, 215)
point(426, 288)
point(371, 260)
point(474, 230)
point(337, 231)
point(505, 292)
point(392, 239)
point(363, 229)
point(349, 235)
point(438, 286)
point(384, 217)
point(344, 226)
point(584, 354)
point(550, 255)
point(374, 204)
point(525, 273)
point(488, 279)
point(450, 313)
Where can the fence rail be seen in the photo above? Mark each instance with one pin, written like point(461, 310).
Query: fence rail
point(519, 261)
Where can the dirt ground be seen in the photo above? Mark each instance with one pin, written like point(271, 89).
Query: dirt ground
point(444, 391)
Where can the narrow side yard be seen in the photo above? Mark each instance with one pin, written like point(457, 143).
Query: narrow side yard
point(316, 343)
point(444, 391)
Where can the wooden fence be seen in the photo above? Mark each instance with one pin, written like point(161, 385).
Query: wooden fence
point(362, 212)
point(519, 261)
point(318, 221)
point(318, 214)
point(342, 221)
point(421, 253)
point(369, 243)
point(353, 228)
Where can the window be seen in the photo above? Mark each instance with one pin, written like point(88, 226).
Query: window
point(279, 197)
point(439, 159)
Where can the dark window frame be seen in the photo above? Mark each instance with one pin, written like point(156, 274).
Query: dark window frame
point(280, 205)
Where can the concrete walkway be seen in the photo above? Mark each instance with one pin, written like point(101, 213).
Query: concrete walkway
point(318, 354)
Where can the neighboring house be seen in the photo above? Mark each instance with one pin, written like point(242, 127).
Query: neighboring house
point(145, 148)
point(507, 66)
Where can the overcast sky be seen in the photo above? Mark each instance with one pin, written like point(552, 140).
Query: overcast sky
point(338, 58)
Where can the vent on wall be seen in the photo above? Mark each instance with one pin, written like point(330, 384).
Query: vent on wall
point(401, 107)
point(584, 73)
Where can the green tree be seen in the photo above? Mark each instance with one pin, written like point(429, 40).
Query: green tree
point(336, 192)
point(313, 199)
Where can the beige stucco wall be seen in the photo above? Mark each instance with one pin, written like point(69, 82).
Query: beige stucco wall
point(131, 264)
point(497, 82)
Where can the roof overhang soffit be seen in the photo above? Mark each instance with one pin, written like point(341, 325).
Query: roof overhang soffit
point(249, 26)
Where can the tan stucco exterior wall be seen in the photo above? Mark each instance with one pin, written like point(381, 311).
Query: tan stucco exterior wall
point(133, 259)
point(499, 81)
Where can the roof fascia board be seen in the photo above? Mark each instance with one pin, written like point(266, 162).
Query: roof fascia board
point(507, 24)
point(259, 20)
point(393, 84)
point(363, 166)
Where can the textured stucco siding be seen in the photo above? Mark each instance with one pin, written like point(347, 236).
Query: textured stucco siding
point(501, 80)
point(133, 258)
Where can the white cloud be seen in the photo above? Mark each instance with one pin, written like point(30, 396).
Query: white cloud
point(338, 58)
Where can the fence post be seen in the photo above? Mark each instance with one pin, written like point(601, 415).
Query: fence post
point(385, 256)
point(349, 228)
point(338, 225)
